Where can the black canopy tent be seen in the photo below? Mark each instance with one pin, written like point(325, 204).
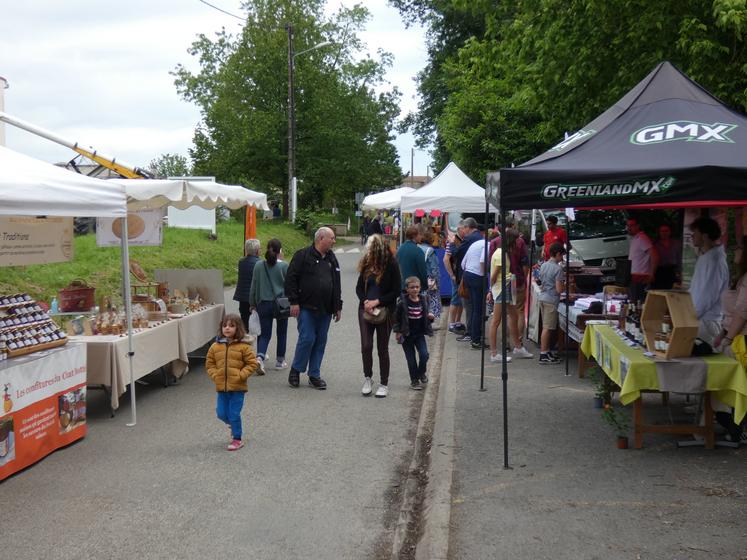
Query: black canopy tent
point(667, 143)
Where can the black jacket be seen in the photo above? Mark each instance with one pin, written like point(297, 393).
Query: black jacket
point(401, 320)
point(313, 281)
point(246, 271)
point(389, 286)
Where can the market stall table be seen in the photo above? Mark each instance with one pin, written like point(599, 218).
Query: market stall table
point(43, 407)
point(164, 344)
point(153, 348)
point(199, 327)
point(716, 375)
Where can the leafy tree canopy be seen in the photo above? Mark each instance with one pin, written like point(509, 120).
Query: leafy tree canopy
point(344, 116)
point(169, 165)
point(518, 74)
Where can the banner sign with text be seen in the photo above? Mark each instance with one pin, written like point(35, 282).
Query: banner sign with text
point(28, 240)
point(43, 405)
point(144, 227)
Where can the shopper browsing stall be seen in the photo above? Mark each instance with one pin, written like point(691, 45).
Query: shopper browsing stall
point(710, 279)
point(551, 285)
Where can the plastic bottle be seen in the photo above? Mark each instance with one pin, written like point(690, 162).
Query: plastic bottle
point(54, 306)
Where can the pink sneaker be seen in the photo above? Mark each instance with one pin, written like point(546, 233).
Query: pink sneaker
point(235, 444)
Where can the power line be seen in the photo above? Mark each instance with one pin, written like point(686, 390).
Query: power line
point(222, 10)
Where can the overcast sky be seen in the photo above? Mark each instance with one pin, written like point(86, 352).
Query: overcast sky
point(97, 72)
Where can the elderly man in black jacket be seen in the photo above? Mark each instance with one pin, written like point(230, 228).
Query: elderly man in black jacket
point(246, 271)
point(312, 285)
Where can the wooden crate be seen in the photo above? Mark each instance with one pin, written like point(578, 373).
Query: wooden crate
point(678, 304)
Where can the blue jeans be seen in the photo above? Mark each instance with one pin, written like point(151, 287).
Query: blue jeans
point(266, 311)
point(410, 344)
point(229, 408)
point(312, 339)
point(477, 295)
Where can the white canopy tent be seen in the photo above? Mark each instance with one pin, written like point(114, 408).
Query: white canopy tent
point(450, 191)
point(29, 187)
point(145, 194)
point(386, 199)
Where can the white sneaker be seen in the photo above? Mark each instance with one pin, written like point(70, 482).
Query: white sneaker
point(521, 352)
point(498, 358)
point(382, 391)
point(281, 364)
point(261, 366)
point(367, 387)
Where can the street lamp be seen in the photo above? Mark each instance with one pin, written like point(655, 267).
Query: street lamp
point(291, 191)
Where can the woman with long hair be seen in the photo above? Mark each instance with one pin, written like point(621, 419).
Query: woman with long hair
point(268, 283)
point(377, 289)
point(495, 294)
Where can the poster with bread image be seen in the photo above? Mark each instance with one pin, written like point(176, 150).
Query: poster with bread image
point(144, 227)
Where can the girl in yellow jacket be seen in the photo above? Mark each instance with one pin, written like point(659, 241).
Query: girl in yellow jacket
point(230, 362)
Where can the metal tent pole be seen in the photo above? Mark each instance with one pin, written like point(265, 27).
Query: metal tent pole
point(128, 314)
point(504, 335)
point(485, 288)
point(567, 293)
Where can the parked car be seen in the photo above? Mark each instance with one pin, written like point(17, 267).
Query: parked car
point(598, 237)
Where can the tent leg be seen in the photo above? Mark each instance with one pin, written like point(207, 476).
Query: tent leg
point(504, 336)
point(485, 288)
point(128, 314)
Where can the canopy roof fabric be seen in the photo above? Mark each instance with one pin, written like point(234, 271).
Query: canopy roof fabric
point(450, 191)
point(666, 143)
point(29, 187)
point(180, 193)
point(387, 199)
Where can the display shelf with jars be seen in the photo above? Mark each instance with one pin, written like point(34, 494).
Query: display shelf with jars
point(669, 323)
point(25, 327)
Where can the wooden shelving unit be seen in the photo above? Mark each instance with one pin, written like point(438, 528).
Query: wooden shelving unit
point(678, 304)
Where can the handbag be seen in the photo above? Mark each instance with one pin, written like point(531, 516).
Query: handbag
point(281, 308)
point(463, 291)
point(378, 316)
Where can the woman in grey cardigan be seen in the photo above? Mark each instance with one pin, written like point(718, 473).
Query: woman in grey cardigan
point(268, 283)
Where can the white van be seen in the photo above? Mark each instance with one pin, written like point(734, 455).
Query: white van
point(598, 237)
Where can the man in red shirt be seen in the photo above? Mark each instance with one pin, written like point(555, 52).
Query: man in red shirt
point(554, 234)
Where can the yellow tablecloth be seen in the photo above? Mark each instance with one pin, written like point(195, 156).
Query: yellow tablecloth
point(633, 372)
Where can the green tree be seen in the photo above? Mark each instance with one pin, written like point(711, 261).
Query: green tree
point(344, 128)
point(538, 68)
point(169, 165)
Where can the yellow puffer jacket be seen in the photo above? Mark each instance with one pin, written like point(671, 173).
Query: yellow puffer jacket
point(230, 365)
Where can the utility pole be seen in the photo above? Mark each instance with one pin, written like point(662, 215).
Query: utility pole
point(412, 167)
point(291, 125)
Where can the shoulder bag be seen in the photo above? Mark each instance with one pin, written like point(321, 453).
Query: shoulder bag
point(379, 314)
point(377, 317)
point(463, 291)
point(281, 304)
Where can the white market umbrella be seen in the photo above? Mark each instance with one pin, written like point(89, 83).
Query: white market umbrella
point(450, 191)
point(386, 199)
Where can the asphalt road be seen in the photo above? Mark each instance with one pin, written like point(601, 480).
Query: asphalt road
point(569, 493)
point(319, 478)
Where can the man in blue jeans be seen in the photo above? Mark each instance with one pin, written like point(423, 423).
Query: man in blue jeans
point(312, 285)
